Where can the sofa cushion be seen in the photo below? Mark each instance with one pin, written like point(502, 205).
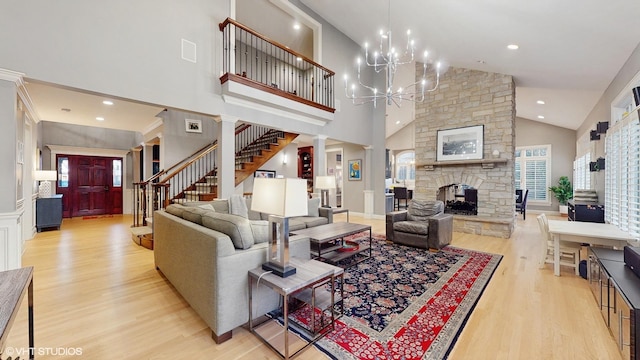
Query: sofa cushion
point(312, 207)
point(260, 230)
point(421, 210)
point(414, 227)
point(311, 221)
point(238, 206)
point(175, 209)
point(252, 215)
point(194, 214)
point(296, 224)
point(236, 227)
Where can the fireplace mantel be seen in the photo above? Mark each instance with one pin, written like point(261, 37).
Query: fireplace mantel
point(485, 163)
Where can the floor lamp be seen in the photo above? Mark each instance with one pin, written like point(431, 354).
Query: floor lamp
point(45, 177)
point(325, 183)
point(281, 199)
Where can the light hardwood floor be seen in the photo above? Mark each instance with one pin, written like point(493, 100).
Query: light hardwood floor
point(97, 291)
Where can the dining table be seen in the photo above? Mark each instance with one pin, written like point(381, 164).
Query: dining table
point(587, 233)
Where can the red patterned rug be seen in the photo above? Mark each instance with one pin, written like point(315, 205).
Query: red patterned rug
point(406, 303)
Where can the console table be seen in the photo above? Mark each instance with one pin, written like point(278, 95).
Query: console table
point(13, 285)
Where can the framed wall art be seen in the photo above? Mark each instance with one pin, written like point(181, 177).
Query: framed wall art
point(355, 169)
point(265, 173)
point(193, 126)
point(460, 144)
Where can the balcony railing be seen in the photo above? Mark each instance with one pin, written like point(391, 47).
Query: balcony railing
point(254, 60)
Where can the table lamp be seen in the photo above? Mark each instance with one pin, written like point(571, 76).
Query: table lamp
point(324, 183)
point(45, 177)
point(280, 198)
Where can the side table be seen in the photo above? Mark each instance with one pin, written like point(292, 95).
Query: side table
point(13, 285)
point(310, 274)
point(340, 211)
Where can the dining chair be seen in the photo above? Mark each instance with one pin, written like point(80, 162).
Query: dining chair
point(521, 206)
point(569, 251)
point(400, 193)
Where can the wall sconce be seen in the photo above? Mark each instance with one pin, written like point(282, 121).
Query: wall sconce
point(284, 159)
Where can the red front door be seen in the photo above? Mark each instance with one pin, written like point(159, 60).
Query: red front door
point(92, 185)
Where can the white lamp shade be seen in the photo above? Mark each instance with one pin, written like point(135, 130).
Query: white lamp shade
point(281, 197)
point(325, 182)
point(42, 175)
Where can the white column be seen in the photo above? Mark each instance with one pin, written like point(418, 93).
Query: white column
point(367, 174)
point(226, 156)
point(319, 158)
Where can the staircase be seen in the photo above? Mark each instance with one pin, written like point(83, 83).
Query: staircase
point(195, 178)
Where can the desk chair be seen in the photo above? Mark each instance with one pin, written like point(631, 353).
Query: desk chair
point(569, 251)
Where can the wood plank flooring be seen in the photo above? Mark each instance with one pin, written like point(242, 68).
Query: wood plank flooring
point(99, 293)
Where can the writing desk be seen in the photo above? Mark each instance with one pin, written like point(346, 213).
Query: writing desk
point(584, 232)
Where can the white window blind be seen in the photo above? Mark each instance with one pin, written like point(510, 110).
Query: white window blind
point(532, 164)
point(622, 175)
point(581, 173)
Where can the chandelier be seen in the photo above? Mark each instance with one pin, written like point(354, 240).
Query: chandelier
point(387, 59)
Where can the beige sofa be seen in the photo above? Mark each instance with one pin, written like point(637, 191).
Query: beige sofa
point(206, 255)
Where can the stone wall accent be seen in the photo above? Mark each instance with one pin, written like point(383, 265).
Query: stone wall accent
point(468, 98)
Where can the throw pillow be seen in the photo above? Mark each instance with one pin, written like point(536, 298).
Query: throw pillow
point(312, 207)
point(208, 207)
point(237, 228)
point(238, 206)
point(194, 214)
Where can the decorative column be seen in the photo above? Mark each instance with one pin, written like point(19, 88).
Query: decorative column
point(319, 160)
point(367, 173)
point(226, 156)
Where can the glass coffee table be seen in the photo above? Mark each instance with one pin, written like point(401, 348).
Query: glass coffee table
point(328, 244)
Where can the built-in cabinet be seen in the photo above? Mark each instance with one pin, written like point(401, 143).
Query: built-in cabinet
point(617, 292)
point(305, 165)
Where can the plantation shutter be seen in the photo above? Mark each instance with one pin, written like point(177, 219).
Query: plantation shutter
point(536, 178)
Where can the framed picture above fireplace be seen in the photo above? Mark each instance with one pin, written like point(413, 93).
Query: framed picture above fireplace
point(460, 144)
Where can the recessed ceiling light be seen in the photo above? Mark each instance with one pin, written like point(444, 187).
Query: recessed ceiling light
point(296, 26)
point(398, 122)
point(108, 102)
point(513, 47)
point(540, 117)
point(541, 102)
point(100, 118)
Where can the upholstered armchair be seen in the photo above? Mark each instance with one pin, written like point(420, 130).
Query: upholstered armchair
point(424, 224)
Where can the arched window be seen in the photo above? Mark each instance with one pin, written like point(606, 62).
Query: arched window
point(406, 166)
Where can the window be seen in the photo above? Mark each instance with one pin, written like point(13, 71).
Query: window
point(117, 173)
point(581, 172)
point(63, 172)
point(406, 166)
point(622, 175)
point(532, 168)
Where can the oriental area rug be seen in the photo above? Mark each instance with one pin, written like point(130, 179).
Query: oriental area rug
point(405, 303)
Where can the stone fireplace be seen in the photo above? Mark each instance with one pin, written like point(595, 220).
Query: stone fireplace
point(459, 199)
point(468, 98)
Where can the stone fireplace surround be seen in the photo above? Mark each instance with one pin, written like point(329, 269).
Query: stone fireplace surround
point(467, 98)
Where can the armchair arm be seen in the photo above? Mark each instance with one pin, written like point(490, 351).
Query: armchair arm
point(392, 217)
point(327, 213)
point(440, 230)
